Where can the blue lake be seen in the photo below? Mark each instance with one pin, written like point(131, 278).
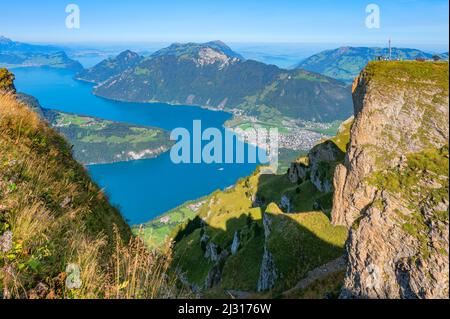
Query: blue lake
point(141, 189)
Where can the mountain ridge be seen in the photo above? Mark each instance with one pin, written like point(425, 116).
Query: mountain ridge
point(205, 75)
point(18, 54)
point(110, 67)
point(192, 47)
point(345, 63)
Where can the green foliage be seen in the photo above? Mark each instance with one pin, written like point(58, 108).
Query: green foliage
point(224, 213)
point(309, 76)
point(241, 271)
point(188, 228)
point(301, 242)
point(328, 287)
point(342, 138)
point(112, 67)
point(141, 71)
point(189, 258)
point(55, 213)
point(409, 74)
point(428, 164)
point(101, 141)
point(6, 81)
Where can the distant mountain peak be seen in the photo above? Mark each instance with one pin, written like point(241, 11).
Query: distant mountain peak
point(127, 55)
point(5, 40)
point(217, 43)
point(345, 49)
point(212, 51)
point(110, 67)
point(26, 55)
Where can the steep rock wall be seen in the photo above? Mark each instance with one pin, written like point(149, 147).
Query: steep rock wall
point(392, 189)
point(396, 112)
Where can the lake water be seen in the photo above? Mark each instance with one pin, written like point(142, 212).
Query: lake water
point(141, 189)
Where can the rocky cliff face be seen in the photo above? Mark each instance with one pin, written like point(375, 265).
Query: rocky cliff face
point(392, 189)
point(322, 159)
point(268, 273)
point(320, 163)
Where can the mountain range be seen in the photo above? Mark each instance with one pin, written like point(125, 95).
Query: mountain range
point(18, 54)
point(214, 76)
point(345, 63)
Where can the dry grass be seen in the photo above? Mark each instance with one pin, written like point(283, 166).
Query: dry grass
point(57, 216)
point(140, 273)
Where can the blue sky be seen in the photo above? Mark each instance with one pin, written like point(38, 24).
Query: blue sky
point(408, 22)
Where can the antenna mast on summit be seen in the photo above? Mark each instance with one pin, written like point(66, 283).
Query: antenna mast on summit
point(390, 50)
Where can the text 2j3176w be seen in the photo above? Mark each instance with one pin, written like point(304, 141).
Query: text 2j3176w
point(233, 309)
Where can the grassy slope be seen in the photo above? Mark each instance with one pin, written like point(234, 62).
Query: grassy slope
point(56, 214)
point(224, 213)
point(301, 242)
point(327, 287)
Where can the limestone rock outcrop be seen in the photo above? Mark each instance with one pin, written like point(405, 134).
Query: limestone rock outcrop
point(387, 261)
point(235, 244)
point(268, 272)
point(297, 172)
point(394, 115)
point(321, 159)
point(319, 165)
point(392, 189)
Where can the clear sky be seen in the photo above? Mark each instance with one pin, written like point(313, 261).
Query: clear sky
point(408, 22)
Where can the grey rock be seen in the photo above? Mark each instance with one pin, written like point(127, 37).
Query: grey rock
point(236, 243)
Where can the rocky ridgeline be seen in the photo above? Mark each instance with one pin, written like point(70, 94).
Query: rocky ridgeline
point(320, 163)
point(392, 189)
point(268, 272)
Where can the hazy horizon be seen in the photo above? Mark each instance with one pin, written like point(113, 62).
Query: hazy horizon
point(410, 23)
point(284, 55)
point(153, 45)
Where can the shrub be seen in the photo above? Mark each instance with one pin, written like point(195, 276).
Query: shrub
point(6, 82)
